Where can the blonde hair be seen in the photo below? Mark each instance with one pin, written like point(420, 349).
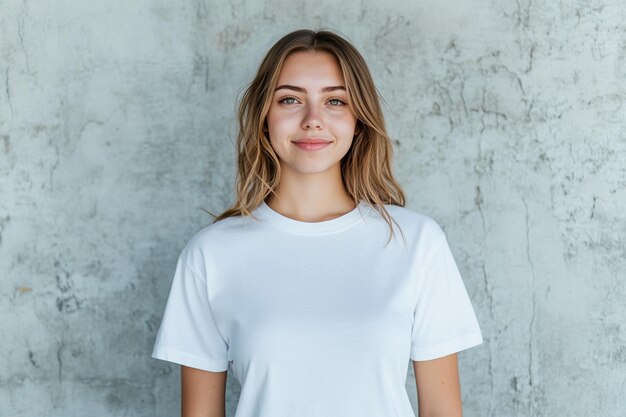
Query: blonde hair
point(365, 169)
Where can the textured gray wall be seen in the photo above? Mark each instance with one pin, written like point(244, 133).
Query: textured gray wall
point(117, 128)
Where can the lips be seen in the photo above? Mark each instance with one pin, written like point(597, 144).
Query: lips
point(311, 144)
point(311, 141)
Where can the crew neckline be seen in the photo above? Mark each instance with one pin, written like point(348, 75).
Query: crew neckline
point(335, 225)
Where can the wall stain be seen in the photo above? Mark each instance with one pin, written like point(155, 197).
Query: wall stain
point(64, 282)
point(69, 304)
point(60, 360)
point(7, 89)
point(114, 403)
point(153, 322)
point(3, 224)
point(31, 358)
point(201, 69)
point(231, 37)
point(6, 144)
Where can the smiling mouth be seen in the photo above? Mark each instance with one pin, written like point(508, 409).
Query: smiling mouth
point(311, 145)
point(311, 140)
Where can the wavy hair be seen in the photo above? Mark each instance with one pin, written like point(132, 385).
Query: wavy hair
point(365, 169)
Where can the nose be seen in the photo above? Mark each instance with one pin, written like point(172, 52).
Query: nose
point(312, 118)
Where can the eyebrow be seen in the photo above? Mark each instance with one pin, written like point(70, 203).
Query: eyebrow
point(303, 90)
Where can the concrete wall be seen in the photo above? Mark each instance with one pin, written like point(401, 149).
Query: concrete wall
point(117, 128)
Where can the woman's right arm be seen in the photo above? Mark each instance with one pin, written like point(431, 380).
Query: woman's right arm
point(203, 393)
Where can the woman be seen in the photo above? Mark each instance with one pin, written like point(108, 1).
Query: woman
point(295, 287)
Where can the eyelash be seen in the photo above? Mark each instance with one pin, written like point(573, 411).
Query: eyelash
point(343, 103)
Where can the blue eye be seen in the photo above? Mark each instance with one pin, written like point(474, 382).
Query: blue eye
point(339, 102)
point(282, 100)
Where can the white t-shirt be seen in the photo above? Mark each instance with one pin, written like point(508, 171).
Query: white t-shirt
point(317, 319)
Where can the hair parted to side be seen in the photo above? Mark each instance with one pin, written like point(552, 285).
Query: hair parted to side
point(365, 169)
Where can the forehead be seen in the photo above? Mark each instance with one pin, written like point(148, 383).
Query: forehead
point(311, 67)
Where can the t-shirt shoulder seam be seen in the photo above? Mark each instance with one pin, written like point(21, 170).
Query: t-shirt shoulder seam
point(204, 282)
point(193, 271)
point(433, 251)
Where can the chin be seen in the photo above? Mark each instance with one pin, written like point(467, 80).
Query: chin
point(311, 168)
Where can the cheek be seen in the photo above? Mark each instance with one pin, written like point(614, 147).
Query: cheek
point(345, 123)
point(276, 131)
point(277, 121)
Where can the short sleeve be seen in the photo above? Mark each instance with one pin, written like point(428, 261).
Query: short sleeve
point(188, 334)
point(444, 320)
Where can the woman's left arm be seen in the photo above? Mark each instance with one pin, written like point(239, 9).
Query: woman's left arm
point(438, 387)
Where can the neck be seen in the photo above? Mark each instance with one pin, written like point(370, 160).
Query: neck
point(311, 197)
